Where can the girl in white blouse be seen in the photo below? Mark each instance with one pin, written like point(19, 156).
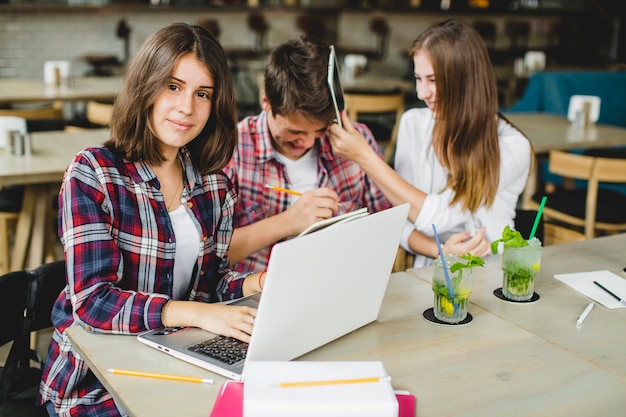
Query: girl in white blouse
point(460, 163)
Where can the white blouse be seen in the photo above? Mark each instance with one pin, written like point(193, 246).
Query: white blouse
point(417, 163)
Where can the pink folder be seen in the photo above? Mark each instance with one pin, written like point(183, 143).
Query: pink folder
point(229, 402)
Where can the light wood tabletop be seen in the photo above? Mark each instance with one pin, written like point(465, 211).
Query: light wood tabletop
point(20, 90)
point(511, 359)
point(551, 131)
point(41, 172)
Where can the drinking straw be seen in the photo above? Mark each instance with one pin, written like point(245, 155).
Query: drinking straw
point(534, 229)
point(444, 265)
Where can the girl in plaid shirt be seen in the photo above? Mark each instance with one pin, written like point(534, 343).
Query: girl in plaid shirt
point(146, 219)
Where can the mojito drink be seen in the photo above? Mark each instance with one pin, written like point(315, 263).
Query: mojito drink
point(519, 266)
point(451, 308)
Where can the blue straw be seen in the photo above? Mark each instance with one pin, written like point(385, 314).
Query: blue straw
point(444, 265)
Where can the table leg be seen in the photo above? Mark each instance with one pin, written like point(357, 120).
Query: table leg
point(30, 236)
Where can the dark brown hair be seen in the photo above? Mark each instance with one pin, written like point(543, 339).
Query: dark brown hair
point(132, 134)
point(296, 79)
point(466, 133)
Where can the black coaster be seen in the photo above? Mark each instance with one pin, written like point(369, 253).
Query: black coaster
point(498, 293)
point(430, 316)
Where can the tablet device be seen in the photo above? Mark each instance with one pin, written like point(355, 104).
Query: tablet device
point(334, 84)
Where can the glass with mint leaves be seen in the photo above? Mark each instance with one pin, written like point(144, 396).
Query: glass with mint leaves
point(521, 260)
point(451, 303)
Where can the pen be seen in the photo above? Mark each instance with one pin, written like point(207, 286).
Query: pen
point(333, 382)
point(584, 314)
point(621, 301)
point(160, 376)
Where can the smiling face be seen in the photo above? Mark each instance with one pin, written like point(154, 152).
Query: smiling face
point(294, 135)
point(425, 79)
point(182, 110)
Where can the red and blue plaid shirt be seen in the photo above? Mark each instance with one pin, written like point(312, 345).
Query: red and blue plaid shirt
point(119, 249)
point(254, 164)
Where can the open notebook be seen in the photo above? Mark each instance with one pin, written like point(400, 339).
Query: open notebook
point(318, 287)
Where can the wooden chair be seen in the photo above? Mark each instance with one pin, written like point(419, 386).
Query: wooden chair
point(99, 113)
point(558, 235)
point(404, 260)
point(589, 209)
point(358, 104)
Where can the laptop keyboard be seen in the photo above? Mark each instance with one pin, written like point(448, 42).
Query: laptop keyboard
point(225, 349)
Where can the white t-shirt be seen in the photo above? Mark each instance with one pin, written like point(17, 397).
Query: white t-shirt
point(187, 247)
point(302, 173)
point(416, 162)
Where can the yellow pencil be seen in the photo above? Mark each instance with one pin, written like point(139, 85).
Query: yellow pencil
point(160, 376)
point(283, 190)
point(288, 191)
point(333, 382)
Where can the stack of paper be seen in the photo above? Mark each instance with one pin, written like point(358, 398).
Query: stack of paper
point(584, 283)
point(265, 397)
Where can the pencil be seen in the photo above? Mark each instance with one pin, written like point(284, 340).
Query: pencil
point(288, 191)
point(332, 382)
point(283, 190)
point(160, 376)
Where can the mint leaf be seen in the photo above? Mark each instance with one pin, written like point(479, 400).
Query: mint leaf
point(510, 238)
point(471, 261)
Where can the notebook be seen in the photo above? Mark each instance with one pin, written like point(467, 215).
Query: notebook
point(318, 288)
point(334, 85)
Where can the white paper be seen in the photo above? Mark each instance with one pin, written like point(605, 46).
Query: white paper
point(262, 397)
point(342, 218)
point(583, 283)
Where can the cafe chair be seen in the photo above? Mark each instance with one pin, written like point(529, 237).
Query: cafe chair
point(373, 106)
point(592, 209)
point(98, 113)
point(26, 300)
point(404, 260)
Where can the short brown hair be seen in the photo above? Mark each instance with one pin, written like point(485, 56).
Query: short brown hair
point(132, 135)
point(296, 79)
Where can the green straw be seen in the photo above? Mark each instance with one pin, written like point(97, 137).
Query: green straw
point(534, 229)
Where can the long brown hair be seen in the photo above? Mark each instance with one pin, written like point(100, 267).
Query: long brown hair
point(466, 130)
point(132, 134)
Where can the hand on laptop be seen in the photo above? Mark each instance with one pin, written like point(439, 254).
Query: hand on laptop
point(231, 321)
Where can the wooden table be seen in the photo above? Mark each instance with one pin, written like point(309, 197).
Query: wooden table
point(20, 90)
point(549, 131)
point(511, 359)
point(41, 173)
point(368, 83)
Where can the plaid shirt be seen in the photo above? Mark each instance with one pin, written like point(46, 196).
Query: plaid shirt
point(119, 249)
point(254, 164)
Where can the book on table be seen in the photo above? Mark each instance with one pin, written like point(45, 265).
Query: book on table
point(338, 393)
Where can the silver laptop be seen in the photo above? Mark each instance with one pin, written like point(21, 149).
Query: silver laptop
point(318, 287)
